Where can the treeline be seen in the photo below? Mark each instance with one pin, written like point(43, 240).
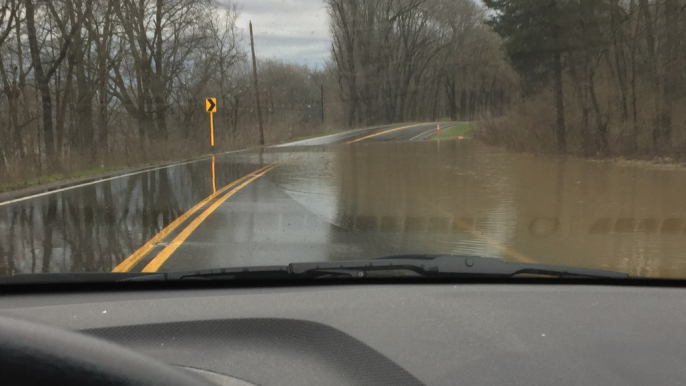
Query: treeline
point(598, 77)
point(98, 83)
point(416, 60)
point(91, 83)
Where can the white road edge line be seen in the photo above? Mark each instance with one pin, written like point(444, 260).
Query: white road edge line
point(13, 201)
point(417, 136)
point(344, 134)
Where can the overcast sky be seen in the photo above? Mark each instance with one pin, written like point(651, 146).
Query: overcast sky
point(290, 30)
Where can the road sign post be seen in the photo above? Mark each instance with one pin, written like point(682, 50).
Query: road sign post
point(211, 107)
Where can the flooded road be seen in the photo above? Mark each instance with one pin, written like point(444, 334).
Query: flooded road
point(358, 195)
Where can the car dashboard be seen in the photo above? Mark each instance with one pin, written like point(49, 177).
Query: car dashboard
point(394, 334)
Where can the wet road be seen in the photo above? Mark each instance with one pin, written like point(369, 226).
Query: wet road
point(358, 195)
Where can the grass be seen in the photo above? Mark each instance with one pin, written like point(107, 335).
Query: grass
point(463, 129)
point(55, 178)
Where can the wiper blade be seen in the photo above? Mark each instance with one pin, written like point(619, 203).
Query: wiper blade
point(436, 266)
point(452, 266)
point(264, 272)
point(392, 266)
point(61, 278)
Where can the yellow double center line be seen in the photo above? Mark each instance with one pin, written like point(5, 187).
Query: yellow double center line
point(131, 261)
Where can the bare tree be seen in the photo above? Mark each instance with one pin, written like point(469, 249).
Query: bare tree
point(45, 74)
point(8, 20)
point(392, 55)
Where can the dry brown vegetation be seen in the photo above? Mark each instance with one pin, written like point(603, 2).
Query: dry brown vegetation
point(621, 90)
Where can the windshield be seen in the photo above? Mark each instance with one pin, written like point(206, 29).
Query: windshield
point(176, 135)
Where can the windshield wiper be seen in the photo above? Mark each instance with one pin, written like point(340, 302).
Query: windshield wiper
point(392, 266)
point(428, 266)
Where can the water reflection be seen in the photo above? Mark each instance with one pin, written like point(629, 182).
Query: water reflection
point(458, 197)
point(214, 175)
point(94, 228)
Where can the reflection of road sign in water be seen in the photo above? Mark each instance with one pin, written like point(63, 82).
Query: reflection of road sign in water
point(211, 105)
point(214, 179)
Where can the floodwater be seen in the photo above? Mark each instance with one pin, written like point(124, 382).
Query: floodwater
point(367, 200)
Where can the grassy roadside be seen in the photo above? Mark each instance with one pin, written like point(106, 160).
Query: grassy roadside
point(87, 174)
point(66, 177)
point(8, 187)
point(462, 129)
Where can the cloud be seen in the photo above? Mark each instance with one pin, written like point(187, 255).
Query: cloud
point(289, 30)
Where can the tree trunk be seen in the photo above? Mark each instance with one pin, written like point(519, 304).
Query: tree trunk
point(633, 143)
point(61, 113)
point(42, 82)
point(670, 74)
point(450, 93)
point(463, 104)
point(234, 129)
point(102, 41)
point(619, 59)
point(84, 111)
point(601, 126)
point(12, 92)
point(158, 79)
point(560, 130)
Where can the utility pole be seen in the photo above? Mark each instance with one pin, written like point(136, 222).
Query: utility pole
point(257, 88)
point(321, 87)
